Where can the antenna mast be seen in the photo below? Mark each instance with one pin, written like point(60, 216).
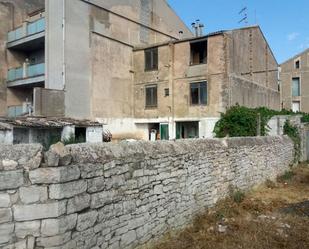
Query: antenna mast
point(244, 13)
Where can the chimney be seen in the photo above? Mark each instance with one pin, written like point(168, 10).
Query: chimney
point(180, 34)
point(198, 28)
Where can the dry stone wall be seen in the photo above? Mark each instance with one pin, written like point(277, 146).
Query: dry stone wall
point(122, 196)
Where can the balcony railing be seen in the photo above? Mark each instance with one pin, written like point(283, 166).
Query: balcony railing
point(27, 30)
point(30, 71)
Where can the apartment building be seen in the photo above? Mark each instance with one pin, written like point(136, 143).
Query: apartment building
point(130, 64)
point(294, 81)
point(181, 87)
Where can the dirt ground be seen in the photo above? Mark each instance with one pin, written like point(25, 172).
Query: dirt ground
point(275, 215)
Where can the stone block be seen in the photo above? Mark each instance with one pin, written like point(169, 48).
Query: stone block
point(78, 203)
point(67, 190)
point(11, 179)
point(57, 240)
point(24, 229)
point(52, 227)
point(4, 200)
point(33, 194)
point(6, 231)
point(127, 239)
point(9, 164)
point(39, 211)
point(102, 198)
point(5, 215)
point(86, 220)
point(54, 175)
point(96, 184)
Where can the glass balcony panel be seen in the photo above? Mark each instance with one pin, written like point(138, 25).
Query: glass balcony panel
point(18, 73)
point(40, 25)
point(32, 28)
point(15, 111)
point(11, 36)
point(34, 70)
point(19, 33)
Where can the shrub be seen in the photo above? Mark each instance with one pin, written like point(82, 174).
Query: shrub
point(240, 121)
point(292, 131)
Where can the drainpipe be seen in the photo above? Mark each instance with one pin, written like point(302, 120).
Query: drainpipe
point(172, 92)
point(63, 45)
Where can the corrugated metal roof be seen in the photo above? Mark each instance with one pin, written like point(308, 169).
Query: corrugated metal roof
point(43, 122)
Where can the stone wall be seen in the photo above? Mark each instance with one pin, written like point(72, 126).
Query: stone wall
point(122, 196)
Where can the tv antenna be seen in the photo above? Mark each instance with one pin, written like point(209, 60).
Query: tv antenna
point(244, 13)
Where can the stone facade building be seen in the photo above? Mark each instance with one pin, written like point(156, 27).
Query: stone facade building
point(131, 64)
point(294, 81)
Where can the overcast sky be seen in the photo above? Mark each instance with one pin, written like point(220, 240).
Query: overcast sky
point(285, 23)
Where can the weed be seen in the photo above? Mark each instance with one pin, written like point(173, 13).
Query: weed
point(287, 176)
point(270, 184)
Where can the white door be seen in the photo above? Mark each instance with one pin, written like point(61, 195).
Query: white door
point(296, 106)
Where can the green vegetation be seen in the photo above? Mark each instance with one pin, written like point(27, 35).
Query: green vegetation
point(236, 194)
point(240, 121)
point(293, 133)
point(287, 176)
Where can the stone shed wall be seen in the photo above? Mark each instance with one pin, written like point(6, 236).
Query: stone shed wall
point(122, 196)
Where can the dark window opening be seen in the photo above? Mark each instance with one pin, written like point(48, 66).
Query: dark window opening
point(198, 52)
point(297, 64)
point(80, 135)
point(166, 92)
point(151, 96)
point(198, 93)
point(186, 130)
point(151, 59)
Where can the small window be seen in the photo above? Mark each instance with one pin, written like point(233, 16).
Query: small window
point(151, 59)
point(297, 64)
point(198, 52)
point(166, 92)
point(296, 87)
point(198, 93)
point(151, 96)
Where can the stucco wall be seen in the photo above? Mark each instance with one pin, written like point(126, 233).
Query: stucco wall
point(122, 196)
point(288, 72)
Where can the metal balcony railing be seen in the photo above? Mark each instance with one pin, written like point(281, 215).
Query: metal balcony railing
point(27, 30)
point(30, 71)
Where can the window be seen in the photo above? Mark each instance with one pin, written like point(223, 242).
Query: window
point(166, 92)
point(295, 87)
point(198, 52)
point(297, 64)
point(151, 59)
point(151, 96)
point(198, 93)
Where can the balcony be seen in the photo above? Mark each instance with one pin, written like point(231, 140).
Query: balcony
point(31, 75)
point(28, 37)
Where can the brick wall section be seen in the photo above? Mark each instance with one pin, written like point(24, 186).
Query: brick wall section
point(122, 196)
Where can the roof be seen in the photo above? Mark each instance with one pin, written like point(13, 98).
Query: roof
point(295, 56)
point(179, 41)
point(43, 122)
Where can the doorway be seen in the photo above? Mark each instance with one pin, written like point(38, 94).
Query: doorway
point(186, 130)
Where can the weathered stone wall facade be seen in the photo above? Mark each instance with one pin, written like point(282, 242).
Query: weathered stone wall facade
point(122, 196)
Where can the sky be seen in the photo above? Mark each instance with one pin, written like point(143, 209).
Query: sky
point(285, 23)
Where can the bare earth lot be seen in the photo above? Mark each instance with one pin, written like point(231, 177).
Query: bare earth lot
point(272, 216)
